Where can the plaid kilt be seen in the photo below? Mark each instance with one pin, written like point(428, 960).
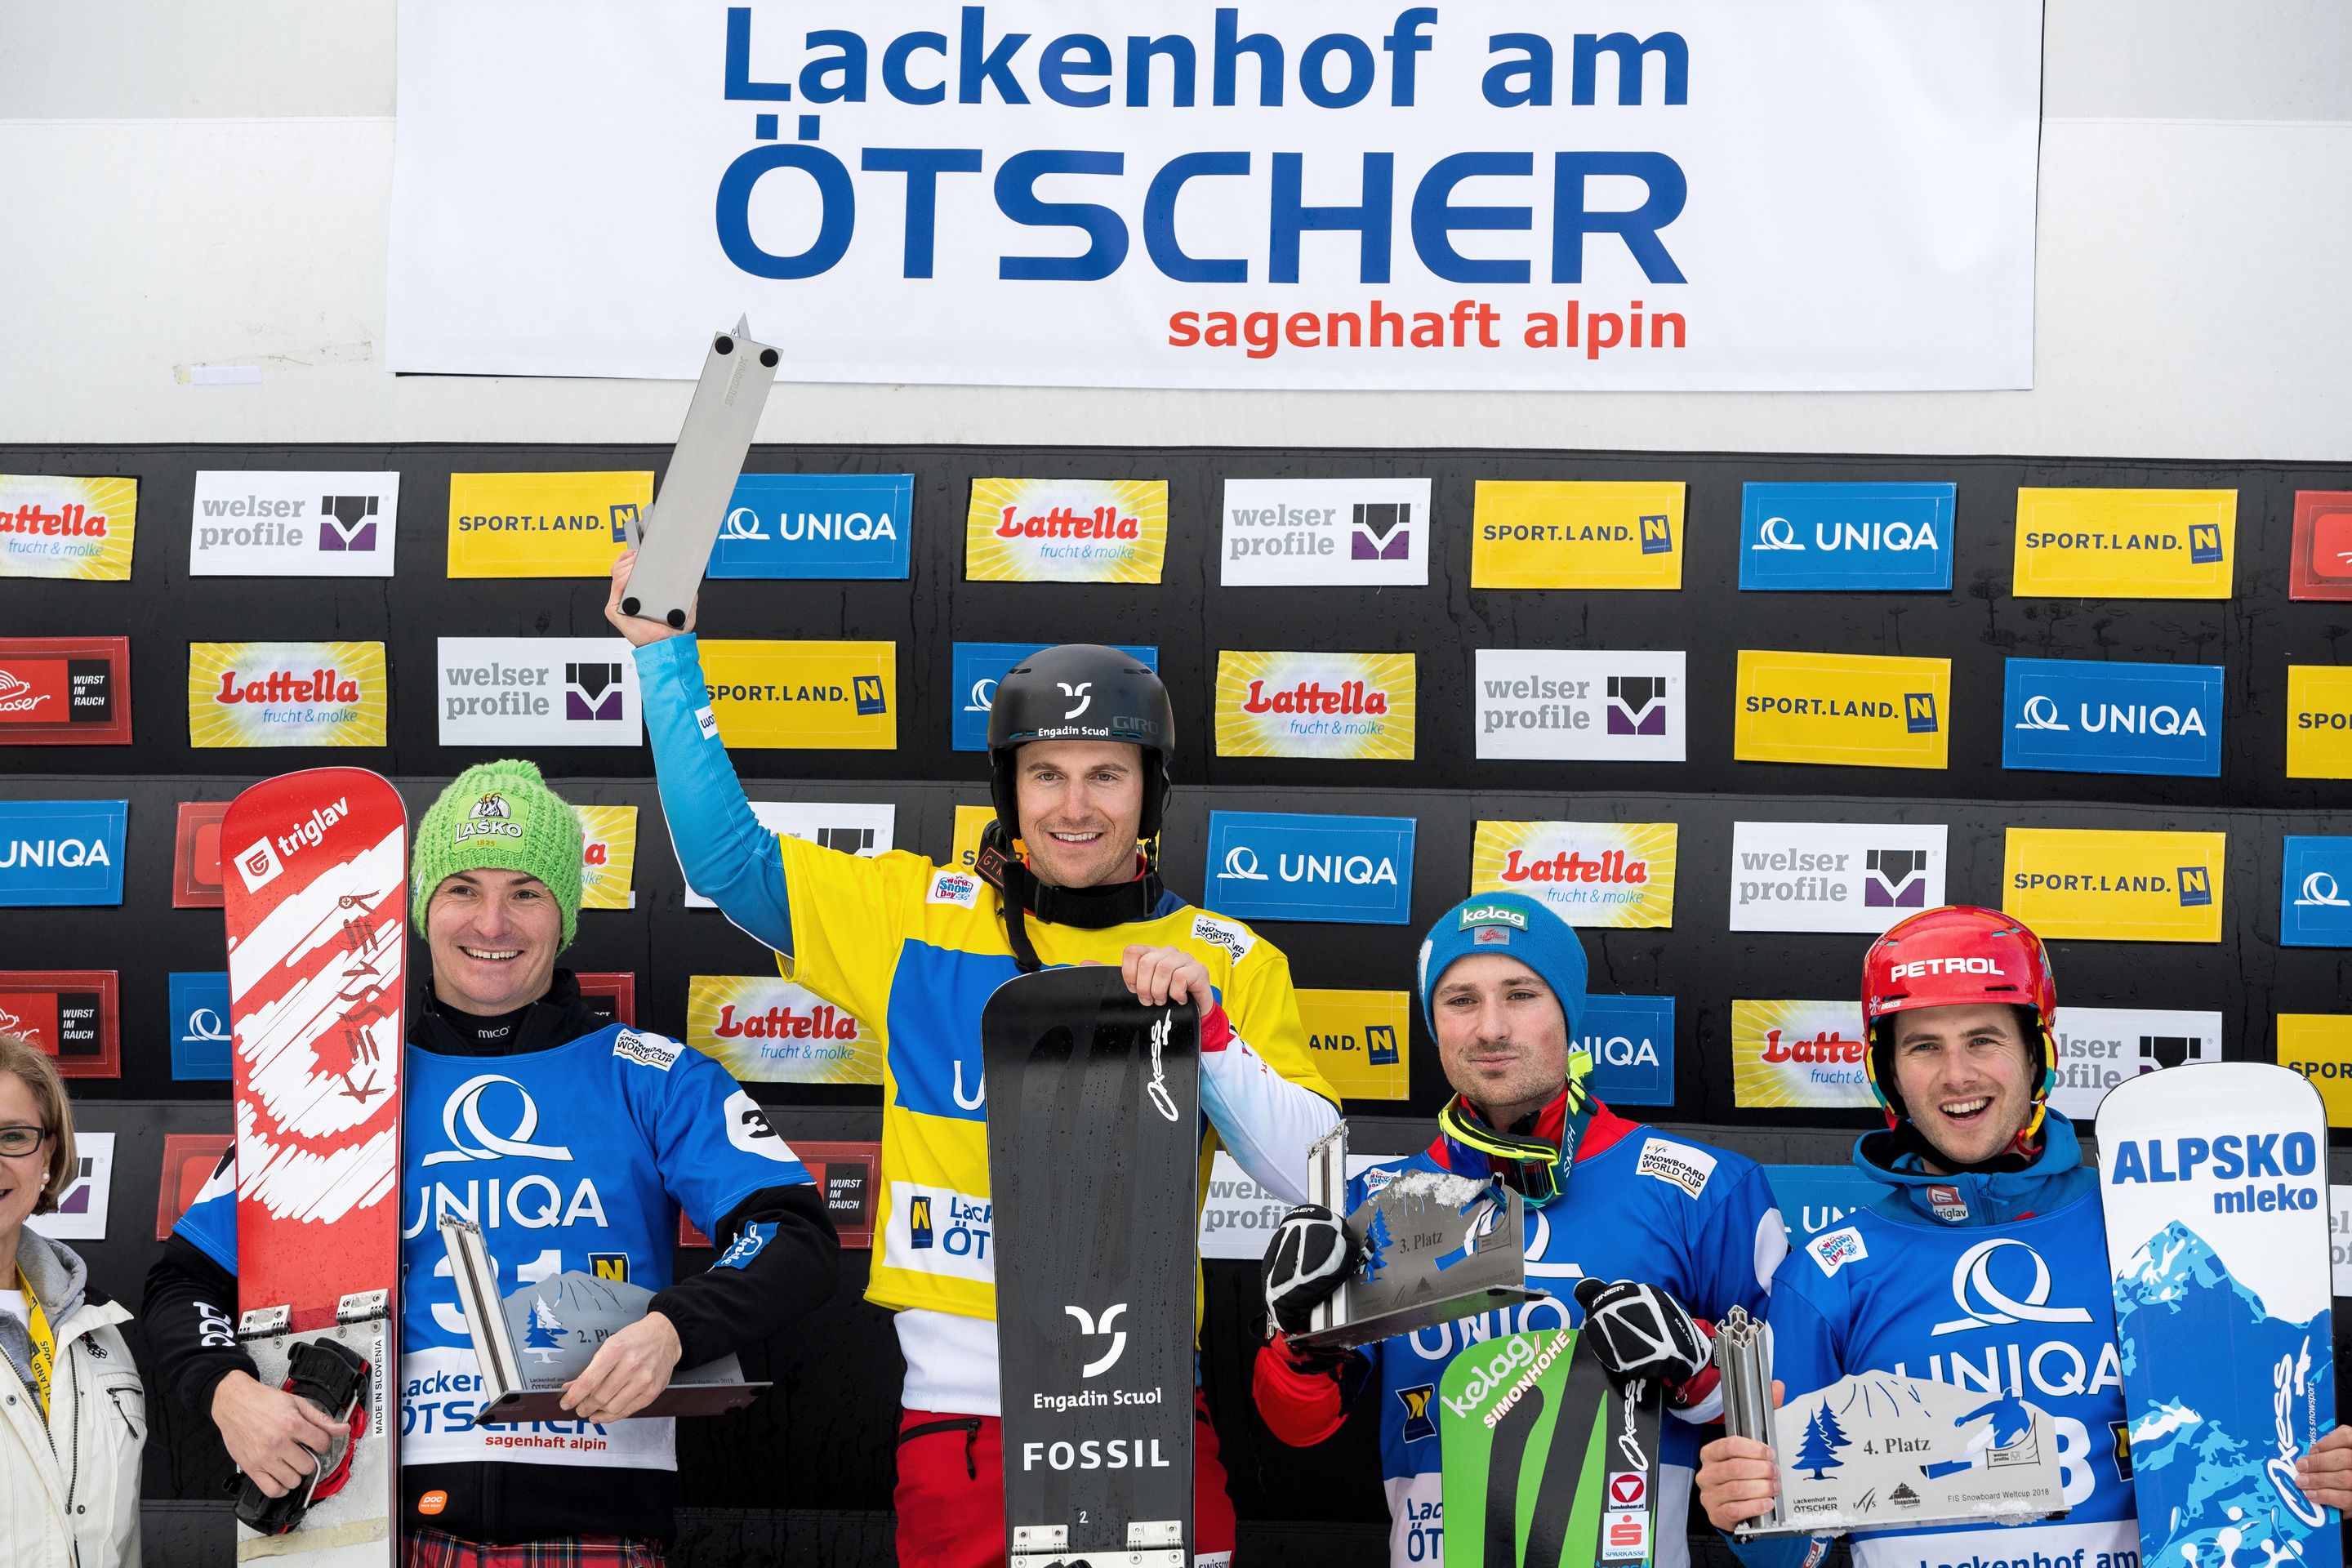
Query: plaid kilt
point(431, 1549)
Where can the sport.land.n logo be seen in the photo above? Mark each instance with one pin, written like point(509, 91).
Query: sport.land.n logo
point(1848, 710)
point(1545, 533)
point(836, 696)
point(2124, 544)
point(543, 525)
point(2318, 721)
point(1354, 1039)
point(2111, 886)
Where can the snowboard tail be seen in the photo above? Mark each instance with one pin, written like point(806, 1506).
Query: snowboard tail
point(315, 898)
point(2214, 1181)
point(1093, 1148)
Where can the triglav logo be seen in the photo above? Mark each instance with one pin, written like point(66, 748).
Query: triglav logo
point(1986, 1305)
point(1322, 533)
point(258, 865)
point(464, 1105)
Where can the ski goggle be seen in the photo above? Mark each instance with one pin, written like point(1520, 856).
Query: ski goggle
point(1537, 1162)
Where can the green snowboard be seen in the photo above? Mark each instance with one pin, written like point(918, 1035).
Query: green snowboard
point(1546, 1467)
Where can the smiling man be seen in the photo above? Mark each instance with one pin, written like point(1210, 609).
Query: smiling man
point(1985, 1261)
point(1605, 1200)
point(1081, 740)
point(598, 1136)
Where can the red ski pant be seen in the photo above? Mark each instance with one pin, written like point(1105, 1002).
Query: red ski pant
point(951, 1496)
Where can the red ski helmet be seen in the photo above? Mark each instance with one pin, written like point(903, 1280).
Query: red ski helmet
point(1954, 956)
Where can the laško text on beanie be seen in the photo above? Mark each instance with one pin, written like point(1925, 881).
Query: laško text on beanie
point(501, 816)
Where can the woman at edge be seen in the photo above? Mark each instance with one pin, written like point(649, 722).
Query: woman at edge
point(73, 1415)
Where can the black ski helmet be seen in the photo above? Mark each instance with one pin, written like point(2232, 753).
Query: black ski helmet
point(1081, 691)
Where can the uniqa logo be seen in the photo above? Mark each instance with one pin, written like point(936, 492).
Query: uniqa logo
point(1972, 1283)
point(1241, 865)
point(466, 1105)
point(2041, 713)
point(1780, 533)
point(69, 853)
point(983, 695)
point(2320, 891)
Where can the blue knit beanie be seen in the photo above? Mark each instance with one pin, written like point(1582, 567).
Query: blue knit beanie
point(1514, 926)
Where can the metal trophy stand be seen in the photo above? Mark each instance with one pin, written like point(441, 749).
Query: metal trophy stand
point(531, 1342)
point(1438, 1247)
point(675, 536)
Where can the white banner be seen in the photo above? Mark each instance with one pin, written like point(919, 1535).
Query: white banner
point(1702, 194)
point(1325, 533)
point(2098, 1048)
point(1565, 703)
point(251, 522)
point(1834, 876)
point(539, 691)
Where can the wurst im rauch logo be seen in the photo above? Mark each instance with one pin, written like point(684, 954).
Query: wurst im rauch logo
point(2115, 886)
point(1337, 705)
point(1851, 710)
point(287, 694)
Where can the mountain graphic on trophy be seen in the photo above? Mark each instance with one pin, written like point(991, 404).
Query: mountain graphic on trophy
point(531, 1343)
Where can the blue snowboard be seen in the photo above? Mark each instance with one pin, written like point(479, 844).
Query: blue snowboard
point(2213, 1178)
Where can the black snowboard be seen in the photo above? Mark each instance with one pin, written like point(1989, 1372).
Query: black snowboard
point(1093, 1138)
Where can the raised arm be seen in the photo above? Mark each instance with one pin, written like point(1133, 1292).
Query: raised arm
point(726, 855)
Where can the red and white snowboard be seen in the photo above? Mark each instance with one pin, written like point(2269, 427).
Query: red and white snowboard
point(316, 890)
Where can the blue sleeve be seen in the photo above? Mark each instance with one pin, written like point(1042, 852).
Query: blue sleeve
point(726, 855)
point(712, 1142)
point(210, 1224)
point(1740, 1245)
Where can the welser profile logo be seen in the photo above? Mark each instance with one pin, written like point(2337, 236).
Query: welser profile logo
point(346, 524)
point(1566, 704)
point(591, 692)
point(1637, 705)
point(1323, 533)
point(1895, 879)
point(255, 523)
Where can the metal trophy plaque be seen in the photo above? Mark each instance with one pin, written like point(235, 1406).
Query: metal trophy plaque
point(675, 535)
point(1874, 1451)
point(531, 1342)
point(1437, 1246)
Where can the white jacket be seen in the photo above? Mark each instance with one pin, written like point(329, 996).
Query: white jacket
point(69, 1491)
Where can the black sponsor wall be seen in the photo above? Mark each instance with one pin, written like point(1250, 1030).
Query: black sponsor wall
point(822, 1443)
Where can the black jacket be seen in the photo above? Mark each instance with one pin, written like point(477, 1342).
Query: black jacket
point(191, 1300)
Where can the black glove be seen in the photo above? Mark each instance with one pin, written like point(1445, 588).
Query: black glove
point(1310, 1255)
point(1641, 1333)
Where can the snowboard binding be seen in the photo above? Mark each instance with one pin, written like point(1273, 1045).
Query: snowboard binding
point(334, 1377)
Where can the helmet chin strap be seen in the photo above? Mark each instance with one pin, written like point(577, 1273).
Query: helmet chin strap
point(1088, 909)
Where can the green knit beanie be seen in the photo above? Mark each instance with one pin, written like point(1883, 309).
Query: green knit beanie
point(497, 816)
